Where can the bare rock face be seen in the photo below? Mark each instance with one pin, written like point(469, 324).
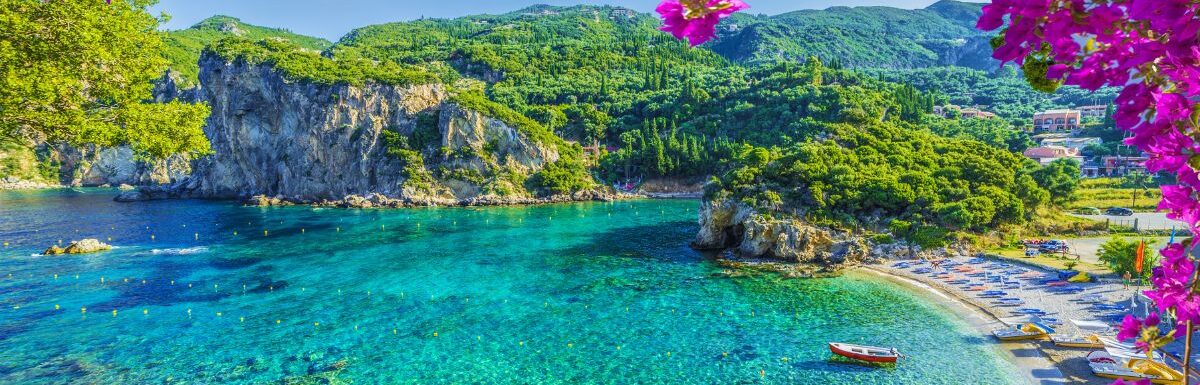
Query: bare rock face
point(309, 143)
point(751, 236)
point(79, 247)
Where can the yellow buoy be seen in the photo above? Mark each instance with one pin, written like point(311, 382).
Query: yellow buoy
point(242, 319)
point(668, 354)
point(393, 331)
point(316, 324)
point(56, 276)
point(151, 236)
point(56, 307)
point(197, 236)
point(114, 313)
point(83, 310)
point(235, 233)
point(5, 244)
point(278, 321)
point(522, 343)
point(435, 334)
point(219, 314)
point(570, 345)
point(110, 239)
point(145, 311)
point(302, 230)
point(101, 279)
point(264, 233)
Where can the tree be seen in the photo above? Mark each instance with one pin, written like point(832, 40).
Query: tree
point(1060, 178)
point(1120, 255)
point(1139, 181)
point(81, 72)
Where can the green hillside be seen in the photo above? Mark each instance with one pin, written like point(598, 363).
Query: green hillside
point(862, 37)
point(831, 141)
point(183, 46)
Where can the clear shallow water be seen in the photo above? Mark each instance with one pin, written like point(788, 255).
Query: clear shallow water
point(578, 293)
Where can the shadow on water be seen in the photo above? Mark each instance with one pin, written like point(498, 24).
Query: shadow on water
point(660, 241)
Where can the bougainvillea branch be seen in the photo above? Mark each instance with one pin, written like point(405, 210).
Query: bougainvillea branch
point(696, 20)
point(1150, 50)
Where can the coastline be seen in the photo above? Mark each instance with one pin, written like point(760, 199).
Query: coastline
point(1040, 361)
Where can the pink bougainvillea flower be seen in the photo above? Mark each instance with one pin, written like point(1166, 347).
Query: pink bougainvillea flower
point(1130, 328)
point(696, 20)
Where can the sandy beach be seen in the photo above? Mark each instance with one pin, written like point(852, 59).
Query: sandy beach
point(1041, 361)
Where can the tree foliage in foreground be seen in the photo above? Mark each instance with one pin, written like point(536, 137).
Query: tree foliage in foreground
point(81, 71)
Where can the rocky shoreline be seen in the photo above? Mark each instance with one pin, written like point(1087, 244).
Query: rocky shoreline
point(745, 238)
point(375, 200)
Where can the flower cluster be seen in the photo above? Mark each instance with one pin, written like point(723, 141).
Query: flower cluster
point(1151, 50)
point(696, 20)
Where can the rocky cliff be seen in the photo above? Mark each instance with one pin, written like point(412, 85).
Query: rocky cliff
point(750, 236)
point(295, 141)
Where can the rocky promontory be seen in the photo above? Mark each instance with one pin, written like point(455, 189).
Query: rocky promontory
point(744, 235)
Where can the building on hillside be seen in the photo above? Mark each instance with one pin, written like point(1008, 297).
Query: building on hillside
point(1056, 120)
point(1047, 154)
point(623, 12)
point(1094, 112)
point(1121, 165)
point(1077, 144)
point(965, 112)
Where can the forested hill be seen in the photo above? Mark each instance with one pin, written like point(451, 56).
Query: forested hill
point(821, 138)
point(862, 37)
point(183, 46)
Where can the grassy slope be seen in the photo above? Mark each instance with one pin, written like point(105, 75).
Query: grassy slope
point(1103, 193)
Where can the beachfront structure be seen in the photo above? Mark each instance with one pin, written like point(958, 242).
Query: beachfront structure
point(1093, 112)
point(1056, 120)
point(1072, 143)
point(1047, 154)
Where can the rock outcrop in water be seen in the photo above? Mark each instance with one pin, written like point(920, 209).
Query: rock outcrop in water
point(84, 246)
point(747, 235)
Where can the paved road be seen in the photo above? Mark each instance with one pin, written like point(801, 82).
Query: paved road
point(1087, 248)
point(1146, 221)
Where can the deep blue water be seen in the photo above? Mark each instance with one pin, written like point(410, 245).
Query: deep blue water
point(212, 292)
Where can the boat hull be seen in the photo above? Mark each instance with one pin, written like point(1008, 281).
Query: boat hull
point(848, 353)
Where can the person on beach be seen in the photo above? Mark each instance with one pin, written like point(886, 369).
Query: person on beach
point(1125, 278)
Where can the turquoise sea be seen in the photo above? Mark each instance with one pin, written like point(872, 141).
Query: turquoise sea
point(206, 292)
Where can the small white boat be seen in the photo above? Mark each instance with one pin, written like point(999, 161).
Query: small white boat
point(865, 353)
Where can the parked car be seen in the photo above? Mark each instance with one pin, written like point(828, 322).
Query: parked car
point(1119, 211)
point(1031, 252)
point(1088, 211)
point(1053, 246)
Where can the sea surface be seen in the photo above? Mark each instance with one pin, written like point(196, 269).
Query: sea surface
point(207, 292)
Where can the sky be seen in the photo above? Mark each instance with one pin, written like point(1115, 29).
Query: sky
point(331, 19)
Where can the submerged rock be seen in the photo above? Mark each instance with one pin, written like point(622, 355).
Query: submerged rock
point(79, 247)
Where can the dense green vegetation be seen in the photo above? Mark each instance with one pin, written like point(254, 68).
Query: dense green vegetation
point(182, 48)
point(80, 72)
point(1120, 255)
point(862, 37)
point(872, 173)
point(795, 126)
point(298, 63)
point(1005, 93)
